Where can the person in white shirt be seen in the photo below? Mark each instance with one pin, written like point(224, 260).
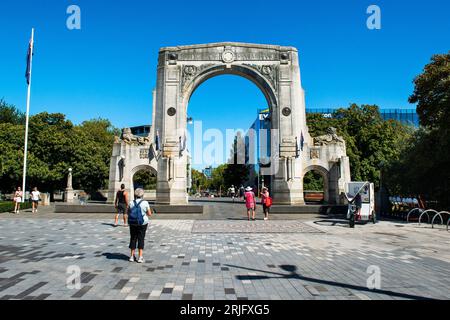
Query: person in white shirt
point(35, 198)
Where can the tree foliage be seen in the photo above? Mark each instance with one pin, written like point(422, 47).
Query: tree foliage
point(432, 93)
point(423, 166)
point(371, 141)
point(10, 114)
point(55, 144)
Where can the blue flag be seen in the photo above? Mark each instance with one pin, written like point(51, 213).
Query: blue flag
point(29, 56)
point(302, 142)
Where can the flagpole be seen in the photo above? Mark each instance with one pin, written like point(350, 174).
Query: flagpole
point(25, 156)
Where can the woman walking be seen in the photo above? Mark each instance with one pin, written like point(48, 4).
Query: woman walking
point(18, 195)
point(139, 212)
point(35, 198)
point(266, 202)
point(250, 202)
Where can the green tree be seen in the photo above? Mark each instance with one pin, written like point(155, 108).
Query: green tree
point(432, 93)
point(423, 166)
point(10, 114)
point(313, 181)
point(236, 172)
point(371, 141)
point(145, 179)
point(217, 181)
point(199, 181)
point(55, 145)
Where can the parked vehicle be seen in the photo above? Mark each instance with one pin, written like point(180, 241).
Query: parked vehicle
point(366, 190)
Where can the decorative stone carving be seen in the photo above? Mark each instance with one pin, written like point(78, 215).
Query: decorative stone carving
point(315, 153)
point(144, 153)
point(287, 112)
point(329, 138)
point(129, 138)
point(228, 56)
point(270, 72)
point(190, 72)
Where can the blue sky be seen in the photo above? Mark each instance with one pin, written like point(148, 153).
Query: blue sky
point(108, 68)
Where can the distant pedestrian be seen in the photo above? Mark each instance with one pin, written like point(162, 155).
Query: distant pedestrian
point(241, 192)
point(266, 201)
point(121, 205)
point(18, 196)
point(232, 192)
point(35, 198)
point(139, 212)
point(250, 203)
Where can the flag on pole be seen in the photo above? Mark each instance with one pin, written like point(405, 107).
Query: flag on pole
point(29, 57)
point(302, 142)
point(157, 141)
point(27, 118)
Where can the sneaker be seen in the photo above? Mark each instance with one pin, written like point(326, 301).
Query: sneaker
point(266, 219)
point(132, 259)
point(141, 260)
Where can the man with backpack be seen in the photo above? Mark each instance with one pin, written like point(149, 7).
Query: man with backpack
point(138, 218)
point(121, 205)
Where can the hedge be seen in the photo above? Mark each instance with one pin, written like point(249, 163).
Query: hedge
point(8, 206)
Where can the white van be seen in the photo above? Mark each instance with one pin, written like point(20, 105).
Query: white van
point(367, 192)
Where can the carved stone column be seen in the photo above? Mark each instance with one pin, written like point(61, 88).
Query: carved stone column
point(69, 193)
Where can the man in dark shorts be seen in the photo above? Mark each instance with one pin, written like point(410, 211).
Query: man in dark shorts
point(121, 205)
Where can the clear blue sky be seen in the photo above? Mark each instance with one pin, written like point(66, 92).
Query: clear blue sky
point(108, 68)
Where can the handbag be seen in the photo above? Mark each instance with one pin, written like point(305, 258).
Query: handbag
point(269, 202)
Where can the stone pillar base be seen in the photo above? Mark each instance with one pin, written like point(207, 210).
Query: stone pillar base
point(288, 193)
point(68, 196)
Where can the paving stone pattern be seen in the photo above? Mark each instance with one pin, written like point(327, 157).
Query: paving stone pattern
point(225, 260)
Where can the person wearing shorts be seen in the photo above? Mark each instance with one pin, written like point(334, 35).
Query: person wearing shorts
point(121, 205)
point(35, 198)
point(18, 195)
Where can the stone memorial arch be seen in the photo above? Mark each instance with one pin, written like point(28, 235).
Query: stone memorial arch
point(276, 71)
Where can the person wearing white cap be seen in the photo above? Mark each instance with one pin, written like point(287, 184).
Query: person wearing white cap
point(250, 202)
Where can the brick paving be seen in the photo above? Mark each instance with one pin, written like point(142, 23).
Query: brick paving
point(221, 259)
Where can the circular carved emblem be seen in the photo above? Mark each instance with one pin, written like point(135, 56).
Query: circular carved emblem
point(171, 112)
point(267, 70)
point(190, 70)
point(287, 112)
point(228, 56)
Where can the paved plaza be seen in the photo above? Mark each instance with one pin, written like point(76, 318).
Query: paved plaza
point(230, 259)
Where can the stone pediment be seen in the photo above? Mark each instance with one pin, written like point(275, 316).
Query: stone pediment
point(230, 44)
point(228, 52)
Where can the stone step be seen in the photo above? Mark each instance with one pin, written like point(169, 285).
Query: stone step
point(108, 208)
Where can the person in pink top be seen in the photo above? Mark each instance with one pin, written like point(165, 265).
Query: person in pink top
point(265, 198)
point(250, 202)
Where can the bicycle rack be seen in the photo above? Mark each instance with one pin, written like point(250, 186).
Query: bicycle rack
point(440, 216)
point(428, 216)
point(412, 211)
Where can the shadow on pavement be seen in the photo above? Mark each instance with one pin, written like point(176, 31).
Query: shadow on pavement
point(293, 274)
point(116, 256)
